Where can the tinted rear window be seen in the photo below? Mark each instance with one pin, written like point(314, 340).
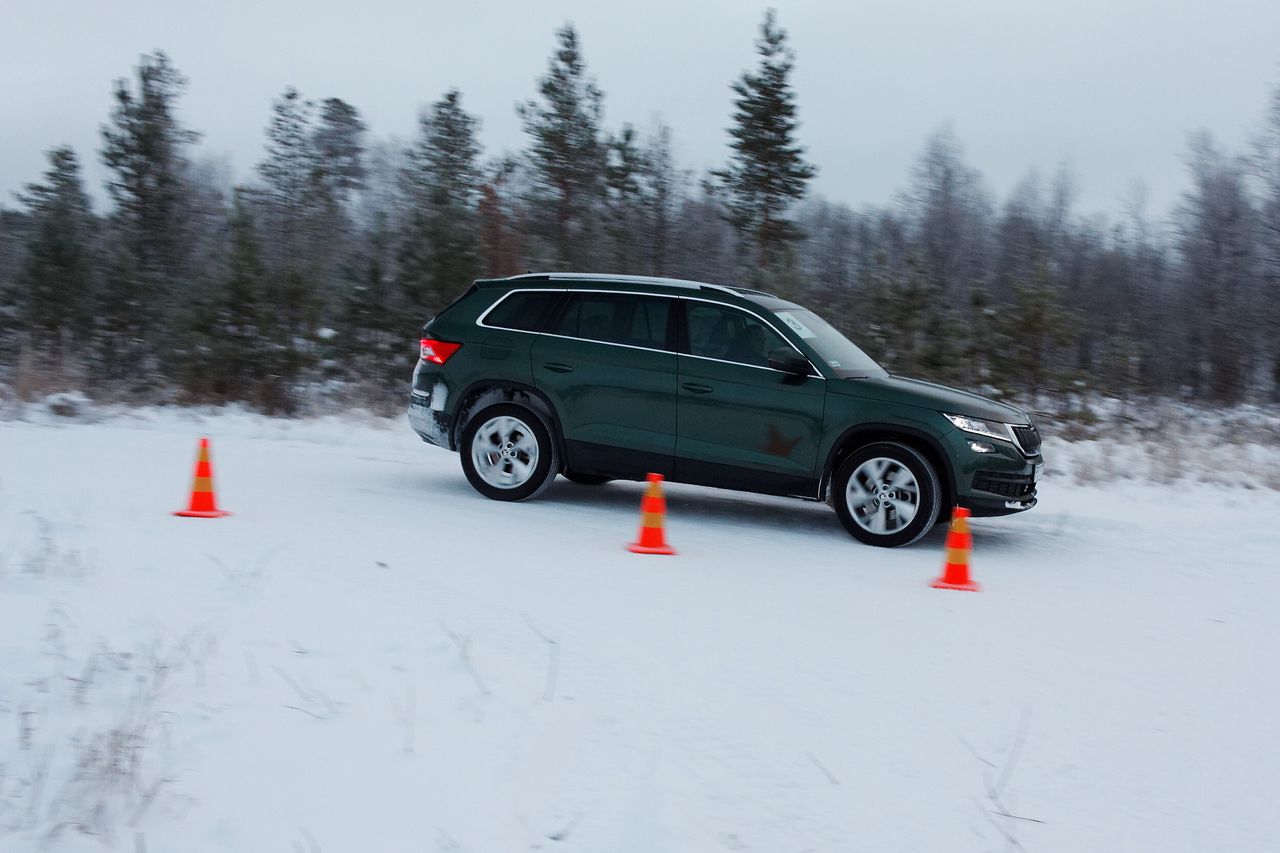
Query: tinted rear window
point(524, 310)
point(617, 318)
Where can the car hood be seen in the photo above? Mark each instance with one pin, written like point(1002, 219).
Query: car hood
point(930, 395)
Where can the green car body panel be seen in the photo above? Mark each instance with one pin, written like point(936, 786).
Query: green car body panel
point(621, 410)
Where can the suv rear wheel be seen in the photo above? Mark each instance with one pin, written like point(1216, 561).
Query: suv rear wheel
point(886, 494)
point(508, 453)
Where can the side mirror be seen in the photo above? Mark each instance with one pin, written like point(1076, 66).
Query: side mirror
point(788, 361)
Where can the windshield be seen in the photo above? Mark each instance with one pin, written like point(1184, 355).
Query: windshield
point(838, 352)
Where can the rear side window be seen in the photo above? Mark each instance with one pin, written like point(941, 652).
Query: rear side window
point(616, 318)
point(523, 310)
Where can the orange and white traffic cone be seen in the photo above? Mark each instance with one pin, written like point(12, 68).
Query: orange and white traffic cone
point(955, 572)
point(653, 508)
point(202, 503)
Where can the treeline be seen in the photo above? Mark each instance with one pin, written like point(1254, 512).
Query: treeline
point(322, 267)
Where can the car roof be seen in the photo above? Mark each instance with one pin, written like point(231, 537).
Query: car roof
point(582, 278)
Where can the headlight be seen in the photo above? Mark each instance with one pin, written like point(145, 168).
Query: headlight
point(990, 429)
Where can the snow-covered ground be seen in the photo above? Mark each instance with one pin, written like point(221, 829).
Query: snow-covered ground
point(368, 656)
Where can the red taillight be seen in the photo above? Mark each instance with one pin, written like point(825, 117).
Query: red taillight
point(437, 352)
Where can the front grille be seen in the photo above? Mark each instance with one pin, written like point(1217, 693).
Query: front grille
point(1008, 485)
point(1029, 438)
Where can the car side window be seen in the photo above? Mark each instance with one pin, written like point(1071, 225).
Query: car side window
point(524, 310)
point(727, 334)
point(616, 318)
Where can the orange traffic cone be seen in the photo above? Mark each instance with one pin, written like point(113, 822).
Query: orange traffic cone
point(653, 506)
point(955, 572)
point(202, 503)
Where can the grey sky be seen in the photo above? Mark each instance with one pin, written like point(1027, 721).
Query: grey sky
point(1111, 86)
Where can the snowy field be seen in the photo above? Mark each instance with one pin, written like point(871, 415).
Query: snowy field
point(368, 656)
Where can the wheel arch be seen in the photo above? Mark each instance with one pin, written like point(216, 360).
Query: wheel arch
point(488, 392)
point(918, 440)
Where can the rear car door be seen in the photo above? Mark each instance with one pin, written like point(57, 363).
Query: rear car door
point(607, 362)
point(742, 424)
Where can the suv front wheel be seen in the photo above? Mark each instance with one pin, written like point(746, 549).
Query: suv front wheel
point(886, 494)
point(508, 453)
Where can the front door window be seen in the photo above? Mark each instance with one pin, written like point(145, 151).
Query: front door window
point(726, 334)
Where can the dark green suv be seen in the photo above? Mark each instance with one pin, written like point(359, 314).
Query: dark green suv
point(602, 377)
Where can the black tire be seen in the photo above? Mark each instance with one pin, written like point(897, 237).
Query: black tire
point(923, 487)
point(544, 469)
point(585, 479)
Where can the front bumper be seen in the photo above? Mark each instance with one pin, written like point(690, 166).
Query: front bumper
point(1005, 492)
point(1002, 482)
point(988, 508)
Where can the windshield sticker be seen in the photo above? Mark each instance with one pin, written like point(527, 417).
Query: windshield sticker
point(833, 362)
point(799, 328)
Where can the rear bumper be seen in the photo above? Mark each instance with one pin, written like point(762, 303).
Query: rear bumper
point(431, 424)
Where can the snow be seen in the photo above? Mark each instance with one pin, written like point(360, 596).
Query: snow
point(370, 656)
point(439, 396)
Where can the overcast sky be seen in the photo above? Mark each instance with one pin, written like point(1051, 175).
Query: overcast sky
point(1110, 86)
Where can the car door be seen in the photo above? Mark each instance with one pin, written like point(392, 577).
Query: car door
point(607, 361)
point(740, 423)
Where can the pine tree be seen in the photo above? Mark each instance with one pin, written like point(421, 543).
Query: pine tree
point(338, 139)
point(144, 149)
point(1266, 162)
point(1219, 252)
point(56, 278)
point(246, 320)
point(499, 235)
point(567, 154)
point(767, 171)
point(913, 330)
point(337, 143)
point(290, 171)
point(1034, 328)
point(444, 161)
point(311, 167)
point(665, 188)
point(440, 252)
point(374, 335)
point(625, 201)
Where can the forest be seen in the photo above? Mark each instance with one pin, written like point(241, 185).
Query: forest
point(318, 271)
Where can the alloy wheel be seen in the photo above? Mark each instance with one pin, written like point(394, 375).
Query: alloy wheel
point(504, 451)
point(883, 496)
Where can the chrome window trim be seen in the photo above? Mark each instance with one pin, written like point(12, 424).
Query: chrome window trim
point(604, 343)
point(815, 374)
point(480, 320)
point(752, 366)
